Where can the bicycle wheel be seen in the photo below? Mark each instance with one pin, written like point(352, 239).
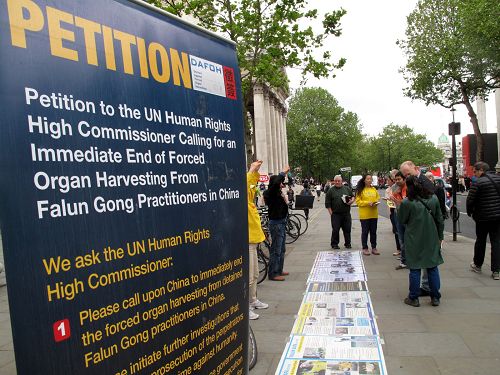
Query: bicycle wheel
point(303, 222)
point(292, 232)
point(262, 268)
point(296, 220)
point(264, 249)
point(252, 349)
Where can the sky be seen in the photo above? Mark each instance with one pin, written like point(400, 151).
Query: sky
point(370, 84)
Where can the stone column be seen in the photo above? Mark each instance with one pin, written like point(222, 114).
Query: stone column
point(283, 116)
point(274, 136)
point(497, 105)
point(260, 127)
point(283, 136)
point(279, 145)
point(269, 137)
point(481, 115)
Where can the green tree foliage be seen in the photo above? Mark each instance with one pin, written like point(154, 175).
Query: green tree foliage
point(452, 50)
point(396, 144)
point(268, 38)
point(322, 137)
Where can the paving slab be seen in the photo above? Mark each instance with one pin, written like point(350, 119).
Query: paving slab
point(484, 345)
point(466, 366)
point(412, 365)
point(425, 344)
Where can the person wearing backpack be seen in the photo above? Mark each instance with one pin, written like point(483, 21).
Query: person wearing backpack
point(483, 204)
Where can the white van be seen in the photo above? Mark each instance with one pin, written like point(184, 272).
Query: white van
point(354, 180)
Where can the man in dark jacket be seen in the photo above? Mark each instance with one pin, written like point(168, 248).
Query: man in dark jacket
point(338, 202)
point(483, 204)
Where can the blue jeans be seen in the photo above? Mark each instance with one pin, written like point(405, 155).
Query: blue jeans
point(369, 226)
point(434, 283)
point(277, 255)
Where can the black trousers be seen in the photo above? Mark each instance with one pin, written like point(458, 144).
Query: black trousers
point(483, 229)
point(341, 221)
point(369, 226)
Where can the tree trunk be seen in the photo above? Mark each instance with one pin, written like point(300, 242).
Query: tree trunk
point(475, 126)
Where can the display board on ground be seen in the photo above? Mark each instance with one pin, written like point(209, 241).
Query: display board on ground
point(335, 331)
point(123, 197)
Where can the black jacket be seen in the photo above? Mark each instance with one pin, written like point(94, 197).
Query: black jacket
point(273, 197)
point(483, 201)
point(441, 196)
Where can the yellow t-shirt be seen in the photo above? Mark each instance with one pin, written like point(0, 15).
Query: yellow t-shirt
point(363, 200)
point(255, 233)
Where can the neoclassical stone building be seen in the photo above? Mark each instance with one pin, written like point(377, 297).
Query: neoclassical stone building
point(269, 131)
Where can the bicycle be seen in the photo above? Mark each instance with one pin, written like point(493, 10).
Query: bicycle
point(252, 349)
point(262, 264)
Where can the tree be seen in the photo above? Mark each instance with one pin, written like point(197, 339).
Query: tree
point(396, 144)
point(268, 39)
point(452, 51)
point(322, 137)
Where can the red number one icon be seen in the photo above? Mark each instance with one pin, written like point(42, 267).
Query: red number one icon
point(61, 330)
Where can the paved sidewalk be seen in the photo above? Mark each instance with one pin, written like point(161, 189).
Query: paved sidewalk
point(462, 336)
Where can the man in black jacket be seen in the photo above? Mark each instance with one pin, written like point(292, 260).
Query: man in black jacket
point(483, 204)
point(338, 202)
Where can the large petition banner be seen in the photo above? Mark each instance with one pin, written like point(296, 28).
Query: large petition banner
point(122, 191)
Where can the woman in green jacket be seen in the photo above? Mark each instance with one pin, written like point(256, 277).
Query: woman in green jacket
point(421, 214)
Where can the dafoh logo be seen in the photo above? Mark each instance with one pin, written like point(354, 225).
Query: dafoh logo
point(212, 78)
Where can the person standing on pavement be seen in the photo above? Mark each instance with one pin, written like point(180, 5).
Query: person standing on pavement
point(277, 203)
point(392, 210)
point(338, 201)
point(483, 204)
point(318, 190)
point(306, 191)
point(408, 168)
point(367, 200)
point(423, 237)
point(399, 192)
point(255, 236)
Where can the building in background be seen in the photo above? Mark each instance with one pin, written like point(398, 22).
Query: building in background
point(444, 145)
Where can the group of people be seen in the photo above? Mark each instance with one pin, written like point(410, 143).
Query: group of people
point(338, 202)
point(417, 224)
point(416, 205)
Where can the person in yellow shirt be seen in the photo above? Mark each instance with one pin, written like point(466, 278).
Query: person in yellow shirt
point(367, 200)
point(255, 236)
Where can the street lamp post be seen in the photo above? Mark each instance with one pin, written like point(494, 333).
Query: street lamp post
point(453, 129)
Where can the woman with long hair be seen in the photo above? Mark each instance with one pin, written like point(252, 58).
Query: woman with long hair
point(367, 200)
point(277, 203)
point(421, 214)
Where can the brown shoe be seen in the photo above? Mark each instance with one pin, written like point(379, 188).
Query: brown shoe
point(284, 273)
point(375, 252)
point(277, 278)
point(366, 252)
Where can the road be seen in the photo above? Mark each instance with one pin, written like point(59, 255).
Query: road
point(466, 226)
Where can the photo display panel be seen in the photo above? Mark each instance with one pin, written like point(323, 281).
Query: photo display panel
point(122, 191)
